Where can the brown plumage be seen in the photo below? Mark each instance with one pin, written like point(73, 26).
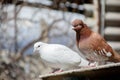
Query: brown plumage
point(92, 45)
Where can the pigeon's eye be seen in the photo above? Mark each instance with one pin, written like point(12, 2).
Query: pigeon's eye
point(38, 45)
point(74, 25)
point(79, 25)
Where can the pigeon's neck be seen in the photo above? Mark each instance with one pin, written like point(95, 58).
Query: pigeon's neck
point(84, 33)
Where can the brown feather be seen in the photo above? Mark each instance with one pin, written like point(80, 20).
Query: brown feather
point(88, 41)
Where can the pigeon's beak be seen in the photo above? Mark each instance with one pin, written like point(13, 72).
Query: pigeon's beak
point(35, 50)
point(73, 28)
point(77, 27)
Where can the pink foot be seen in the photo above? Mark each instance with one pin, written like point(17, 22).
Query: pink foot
point(94, 64)
point(91, 65)
point(58, 71)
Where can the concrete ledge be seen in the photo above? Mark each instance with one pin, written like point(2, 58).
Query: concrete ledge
point(102, 72)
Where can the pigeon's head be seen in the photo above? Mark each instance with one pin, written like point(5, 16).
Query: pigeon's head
point(37, 46)
point(77, 24)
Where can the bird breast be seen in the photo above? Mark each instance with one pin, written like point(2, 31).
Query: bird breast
point(89, 52)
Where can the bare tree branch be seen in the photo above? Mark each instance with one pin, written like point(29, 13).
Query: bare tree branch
point(42, 37)
point(16, 28)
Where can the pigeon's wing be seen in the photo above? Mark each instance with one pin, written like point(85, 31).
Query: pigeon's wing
point(61, 54)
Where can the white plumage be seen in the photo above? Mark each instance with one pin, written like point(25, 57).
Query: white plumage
point(59, 56)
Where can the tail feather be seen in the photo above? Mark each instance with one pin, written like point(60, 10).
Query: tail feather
point(84, 63)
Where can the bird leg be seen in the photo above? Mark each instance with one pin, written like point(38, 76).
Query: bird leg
point(60, 70)
point(57, 70)
point(93, 64)
point(90, 64)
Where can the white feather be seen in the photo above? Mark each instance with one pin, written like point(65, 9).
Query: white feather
point(59, 56)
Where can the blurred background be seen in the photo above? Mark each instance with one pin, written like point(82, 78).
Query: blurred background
point(24, 22)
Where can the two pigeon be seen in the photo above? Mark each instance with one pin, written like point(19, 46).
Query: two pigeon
point(93, 47)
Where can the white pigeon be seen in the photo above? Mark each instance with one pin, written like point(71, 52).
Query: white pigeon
point(59, 56)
